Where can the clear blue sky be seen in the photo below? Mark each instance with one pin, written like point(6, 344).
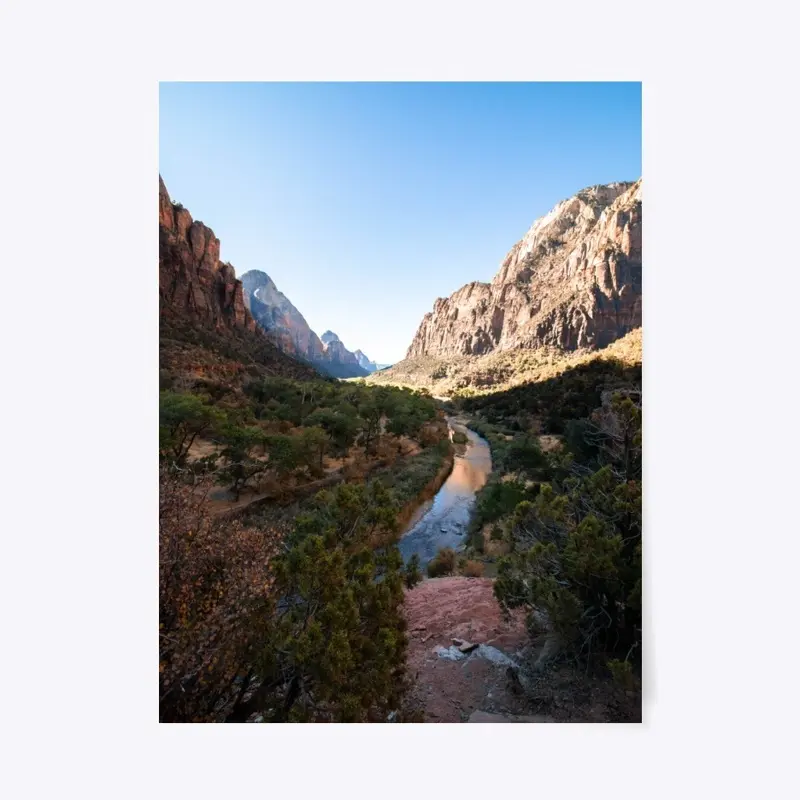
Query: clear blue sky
point(366, 201)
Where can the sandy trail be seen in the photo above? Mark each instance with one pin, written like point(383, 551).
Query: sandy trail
point(439, 610)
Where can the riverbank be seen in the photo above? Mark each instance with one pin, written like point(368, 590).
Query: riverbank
point(412, 508)
point(401, 472)
point(444, 521)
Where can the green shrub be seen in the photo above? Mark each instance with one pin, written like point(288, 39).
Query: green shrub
point(525, 455)
point(578, 546)
point(412, 573)
point(622, 673)
point(444, 563)
point(183, 417)
point(496, 499)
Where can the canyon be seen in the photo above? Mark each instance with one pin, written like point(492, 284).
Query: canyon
point(240, 363)
point(367, 364)
point(206, 329)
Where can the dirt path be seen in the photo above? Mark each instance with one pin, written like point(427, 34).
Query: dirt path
point(336, 471)
point(223, 506)
point(451, 686)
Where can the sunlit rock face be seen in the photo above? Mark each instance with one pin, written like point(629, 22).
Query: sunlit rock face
point(338, 354)
point(194, 285)
point(367, 363)
point(277, 315)
point(574, 280)
point(363, 361)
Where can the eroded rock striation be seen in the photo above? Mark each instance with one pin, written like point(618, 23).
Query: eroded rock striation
point(206, 330)
point(278, 316)
point(573, 281)
point(275, 313)
point(337, 354)
point(194, 285)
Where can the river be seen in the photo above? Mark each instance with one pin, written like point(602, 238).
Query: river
point(443, 521)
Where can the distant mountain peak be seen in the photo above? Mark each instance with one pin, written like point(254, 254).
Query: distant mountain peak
point(275, 313)
point(367, 364)
point(364, 361)
point(258, 275)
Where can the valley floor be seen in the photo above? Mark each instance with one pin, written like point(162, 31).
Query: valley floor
point(223, 502)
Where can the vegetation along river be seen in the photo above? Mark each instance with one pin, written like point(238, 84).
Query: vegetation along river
point(443, 521)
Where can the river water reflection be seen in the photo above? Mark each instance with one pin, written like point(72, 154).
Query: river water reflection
point(443, 521)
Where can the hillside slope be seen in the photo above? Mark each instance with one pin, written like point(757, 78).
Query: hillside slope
point(499, 370)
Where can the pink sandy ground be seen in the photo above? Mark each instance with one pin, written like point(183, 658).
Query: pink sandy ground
point(439, 610)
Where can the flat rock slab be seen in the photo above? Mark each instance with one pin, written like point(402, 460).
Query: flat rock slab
point(485, 716)
point(450, 685)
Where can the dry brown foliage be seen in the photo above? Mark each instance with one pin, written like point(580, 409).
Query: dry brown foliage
point(472, 569)
point(215, 597)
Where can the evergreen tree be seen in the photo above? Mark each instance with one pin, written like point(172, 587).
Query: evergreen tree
point(577, 547)
point(413, 574)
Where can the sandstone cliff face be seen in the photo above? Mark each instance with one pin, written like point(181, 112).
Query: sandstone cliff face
point(363, 361)
point(206, 330)
point(369, 365)
point(194, 285)
point(337, 354)
point(573, 281)
point(277, 315)
point(274, 312)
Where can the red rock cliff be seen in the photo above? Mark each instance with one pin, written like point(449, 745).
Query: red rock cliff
point(574, 280)
point(194, 285)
